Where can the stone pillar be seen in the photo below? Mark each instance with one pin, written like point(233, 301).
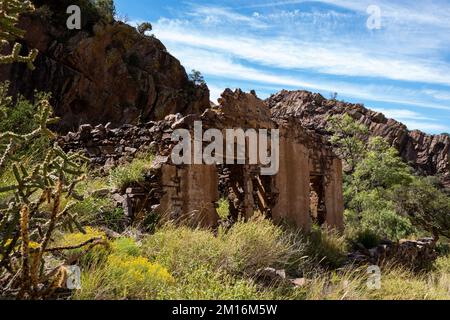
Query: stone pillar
point(191, 192)
point(292, 185)
point(334, 199)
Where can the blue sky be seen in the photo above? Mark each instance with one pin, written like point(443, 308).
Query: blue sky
point(401, 69)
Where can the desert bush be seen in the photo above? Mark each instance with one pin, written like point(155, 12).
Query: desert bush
point(124, 278)
point(427, 206)
point(242, 250)
point(327, 247)
point(381, 167)
point(136, 277)
point(366, 237)
point(122, 273)
point(144, 27)
point(374, 211)
point(175, 247)
point(18, 117)
point(125, 175)
point(206, 284)
point(126, 247)
point(96, 256)
point(166, 271)
point(223, 209)
point(257, 244)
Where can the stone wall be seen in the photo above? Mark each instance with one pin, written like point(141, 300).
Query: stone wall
point(190, 194)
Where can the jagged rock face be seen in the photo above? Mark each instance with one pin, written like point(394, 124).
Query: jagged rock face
point(428, 154)
point(103, 73)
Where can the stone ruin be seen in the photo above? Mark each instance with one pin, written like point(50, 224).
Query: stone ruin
point(307, 188)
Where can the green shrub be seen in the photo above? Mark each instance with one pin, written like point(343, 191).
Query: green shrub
point(367, 237)
point(374, 211)
point(126, 247)
point(242, 250)
point(19, 117)
point(205, 284)
point(124, 176)
point(223, 208)
point(182, 250)
point(124, 277)
point(96, 256)
point(426, 205)
point(327, 247)
point(257, 244)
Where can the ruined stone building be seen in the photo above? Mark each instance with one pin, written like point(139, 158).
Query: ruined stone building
point(306, 189)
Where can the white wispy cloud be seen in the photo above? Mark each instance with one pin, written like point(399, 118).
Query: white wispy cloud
point(214, 14)
point(290, 53)
point(326, 50)
point(224, 66)
point(432, 127)
point(436, 13)
point(414, 120)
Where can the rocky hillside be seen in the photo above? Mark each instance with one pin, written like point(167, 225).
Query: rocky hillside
point(107, 72)
point(428, 154)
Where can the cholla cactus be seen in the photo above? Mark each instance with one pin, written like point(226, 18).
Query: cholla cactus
point(9, 17)
point(34, 212)
point(35, 209)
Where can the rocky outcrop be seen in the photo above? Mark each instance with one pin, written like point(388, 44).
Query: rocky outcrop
point(417, 255)
point(106, 72)
point(428, 154)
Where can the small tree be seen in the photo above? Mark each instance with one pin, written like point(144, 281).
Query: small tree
point(369, 190)
point(144, 27)
point(381, 167)
point(427, 207)
point(197, 78)
point(348, 139)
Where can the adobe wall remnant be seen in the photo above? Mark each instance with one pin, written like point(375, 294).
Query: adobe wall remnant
point(306, 189)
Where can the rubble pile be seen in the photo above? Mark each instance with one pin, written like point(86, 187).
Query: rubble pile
point(416, 254)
